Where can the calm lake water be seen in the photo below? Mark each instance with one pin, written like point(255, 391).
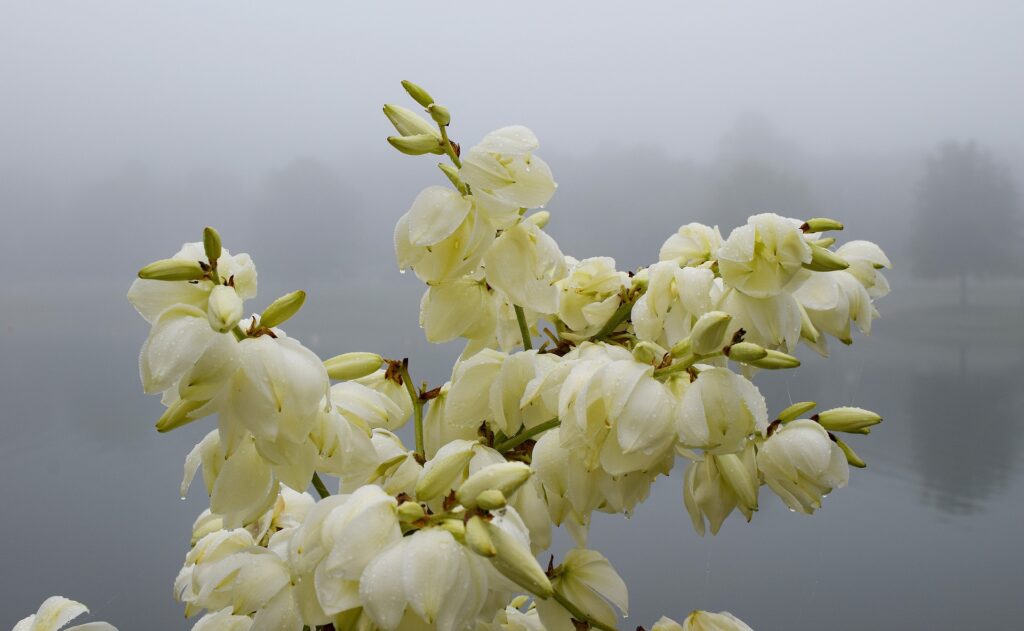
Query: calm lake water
point(928, 537)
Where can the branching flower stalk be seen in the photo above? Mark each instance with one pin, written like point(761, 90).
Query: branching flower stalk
point(643, 370)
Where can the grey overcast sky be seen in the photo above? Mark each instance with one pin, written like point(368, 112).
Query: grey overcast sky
point(243, 85)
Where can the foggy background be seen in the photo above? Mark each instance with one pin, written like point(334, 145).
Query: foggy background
point(125, 127)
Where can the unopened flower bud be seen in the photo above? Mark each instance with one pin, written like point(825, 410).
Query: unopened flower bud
point(796, 411)
point(824, 260)
point(282, 309)
point(506, 477)
point(540, 218)
point(648, 353)
point(851, 456)
point(826, 242)
point(178, 415)
point(453, 176)
point(477, 537)
point(707, 333)
point(455, 526)
point(410, 511)
point(211, 245)
point(745, 352)
point(680, 348)
point(418, 94)
point(739, 478)
point(438, 477)
point(440, 114)
point(517, 563)
point(417, 145)
point(348, 366)
point(821, 224)
point(848, 419)
point(224, 308)
point(172, 269)
point(491, 499)
point(408, 122)
point(775, 360)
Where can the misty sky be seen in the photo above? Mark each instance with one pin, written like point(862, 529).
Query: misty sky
point(246, 85)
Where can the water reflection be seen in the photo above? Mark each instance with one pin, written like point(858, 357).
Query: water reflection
point(965, 430)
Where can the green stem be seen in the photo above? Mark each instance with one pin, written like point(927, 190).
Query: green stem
point(320, 487)
point(448, 149)
point(417, 408)
point(613, 322)
point(239, 333)
point(575, 612)
point(525, 435)
point(684, 362)
point(523, 329)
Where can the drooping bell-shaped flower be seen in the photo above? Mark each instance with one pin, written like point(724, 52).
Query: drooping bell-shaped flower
point(503, 166)
point(761, 257)
point(427, 575)
point(279, 389)
point(691, 245)
point(525, 263)
point(719, 411)
point(801, 463)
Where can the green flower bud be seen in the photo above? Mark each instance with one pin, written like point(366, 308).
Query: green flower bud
point(680, 348)
point(172, 269)
point(775, 360)
point(348, 366)
point(648, 353)
point(211, 245)
point(796, 411)
point(224, 308)
point(540, 218)
point(437, 479)
point(848, 419)
point(505, 477)
point(826, 242)
point(745, 352)
point(409, 123)
point(478, 539)
point(440, 114)
point(417, 145)
point(823, 260)
point(455, 526)
point(851, 456)
point(491, 499)
point(517, 563)
point(178, 414)
point(410, 511)
point(821, 224)
point(452, 174)
point(418, 94)
point(282, 309)
point(708, 332)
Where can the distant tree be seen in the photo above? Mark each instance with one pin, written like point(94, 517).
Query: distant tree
point(967, 217)
point(755, 173)
point(751, 186)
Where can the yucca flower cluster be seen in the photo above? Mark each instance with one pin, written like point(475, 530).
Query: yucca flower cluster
point(636, 371)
